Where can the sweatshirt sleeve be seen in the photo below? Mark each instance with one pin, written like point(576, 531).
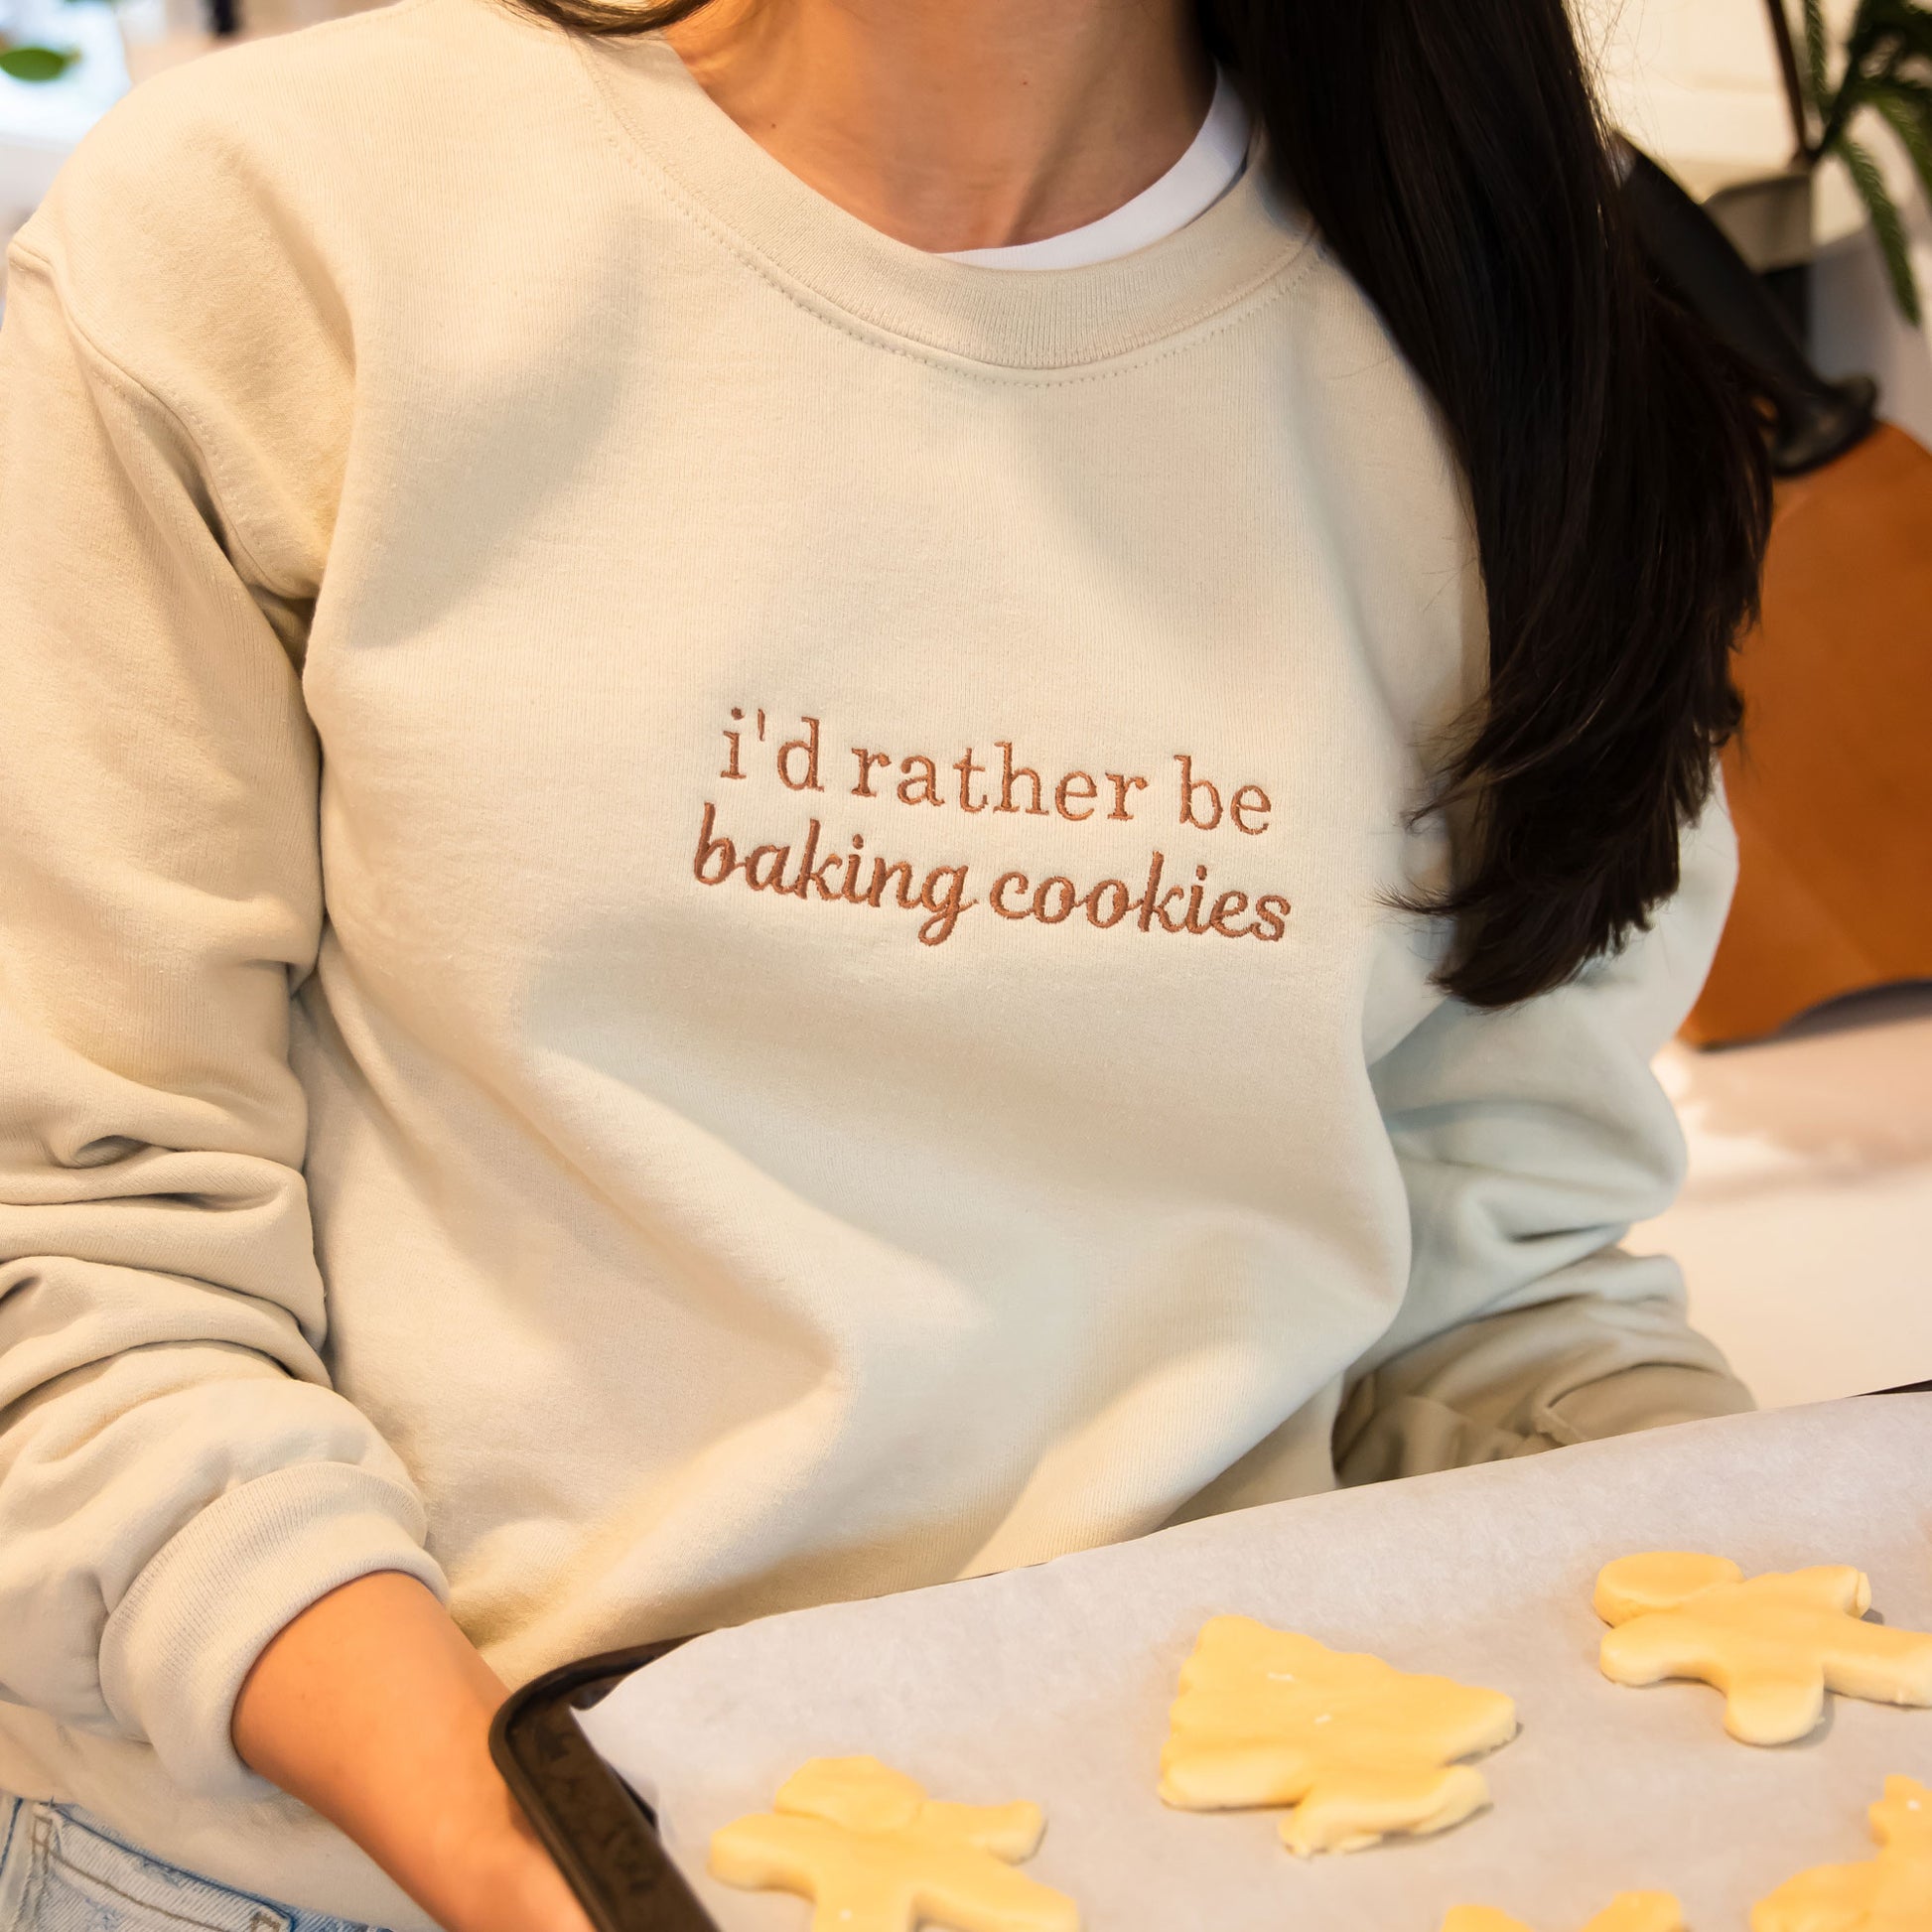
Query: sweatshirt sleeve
point(177, 1477)
point(1530, 1141)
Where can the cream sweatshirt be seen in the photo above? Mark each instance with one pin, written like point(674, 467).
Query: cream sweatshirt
point(693, 908)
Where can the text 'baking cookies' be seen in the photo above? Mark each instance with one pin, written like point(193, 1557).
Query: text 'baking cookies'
point(1772, 1644)
point(1360, 1750)
point(877, 1854)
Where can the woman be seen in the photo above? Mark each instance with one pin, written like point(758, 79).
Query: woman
point(703, 911)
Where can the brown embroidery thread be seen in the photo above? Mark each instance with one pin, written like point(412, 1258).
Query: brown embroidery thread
point(1060, 792)
point(810, 746)
point(880, 872)
point(966, 768)
point(946, 911)
point(927, 780)
point(942, 894)
point(1009, 771)
point(1069, 898)
point(1229, 904)
point(1239, 804)
point(850, 890)
point(778, 854)
point(1273, 911)
point(731, 770)
point(867, 760)
point(1123, 784)
point(1194, 918)
point(996, 898)
point(1189, 784)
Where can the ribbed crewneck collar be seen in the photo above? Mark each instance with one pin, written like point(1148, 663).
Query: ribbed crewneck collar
point(1054, 319)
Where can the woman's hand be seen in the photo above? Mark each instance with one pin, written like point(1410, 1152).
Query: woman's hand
point(373, 1709)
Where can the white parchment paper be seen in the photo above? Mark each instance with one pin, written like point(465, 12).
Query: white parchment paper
point(1054, 1684)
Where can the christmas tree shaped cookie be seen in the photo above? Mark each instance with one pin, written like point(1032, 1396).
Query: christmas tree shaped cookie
point(875, 1854)
point(1629, 1911)
point(1358, 1748)
point(1772, 1644)
point(1890, 1894)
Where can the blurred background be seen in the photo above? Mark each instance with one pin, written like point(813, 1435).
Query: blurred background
point(1805, 1077)
point(101, 48)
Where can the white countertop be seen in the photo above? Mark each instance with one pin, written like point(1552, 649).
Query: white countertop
point(1805, 1227)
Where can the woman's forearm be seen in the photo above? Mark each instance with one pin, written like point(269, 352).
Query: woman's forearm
point(373, 1709)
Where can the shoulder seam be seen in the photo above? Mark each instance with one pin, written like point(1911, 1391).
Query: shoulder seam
point(117, 371)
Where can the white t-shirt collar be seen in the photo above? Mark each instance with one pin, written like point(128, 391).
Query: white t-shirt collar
point(1211, 166)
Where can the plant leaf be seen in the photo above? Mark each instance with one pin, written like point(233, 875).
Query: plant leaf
point(1815, 57)
point(1868, 24)
point(1910, 26)
point(36, 63)
point(1885, 223)
point(1908, 108)
point(1918, 92)
point(1899, 31)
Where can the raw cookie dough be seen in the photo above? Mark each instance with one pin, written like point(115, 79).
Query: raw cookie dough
point(1359, 1748)
point(1772, 1644)
point(1629, 1911)
point(1890, 1894)
point(878, 1856)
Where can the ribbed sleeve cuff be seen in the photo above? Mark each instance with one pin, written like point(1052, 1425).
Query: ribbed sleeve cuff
point(178, 1646)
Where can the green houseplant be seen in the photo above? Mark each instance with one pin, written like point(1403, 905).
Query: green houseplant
point(33, 63)
point(33, 59)
point(1885, 64)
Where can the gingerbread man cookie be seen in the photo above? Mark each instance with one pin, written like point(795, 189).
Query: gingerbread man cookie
point(1772, 1644)
point(878, 1856)
point(1890, 1894)
point(1358, 1748)
point(1629, 1911)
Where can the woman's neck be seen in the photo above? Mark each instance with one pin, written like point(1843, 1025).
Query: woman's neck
point(956, 124)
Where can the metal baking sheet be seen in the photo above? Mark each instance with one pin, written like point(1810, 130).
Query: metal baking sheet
point(1054, 1684)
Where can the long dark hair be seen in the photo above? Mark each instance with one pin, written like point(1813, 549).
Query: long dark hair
point(1454, 159)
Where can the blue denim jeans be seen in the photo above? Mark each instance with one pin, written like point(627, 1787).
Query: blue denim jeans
point(64, 1871)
